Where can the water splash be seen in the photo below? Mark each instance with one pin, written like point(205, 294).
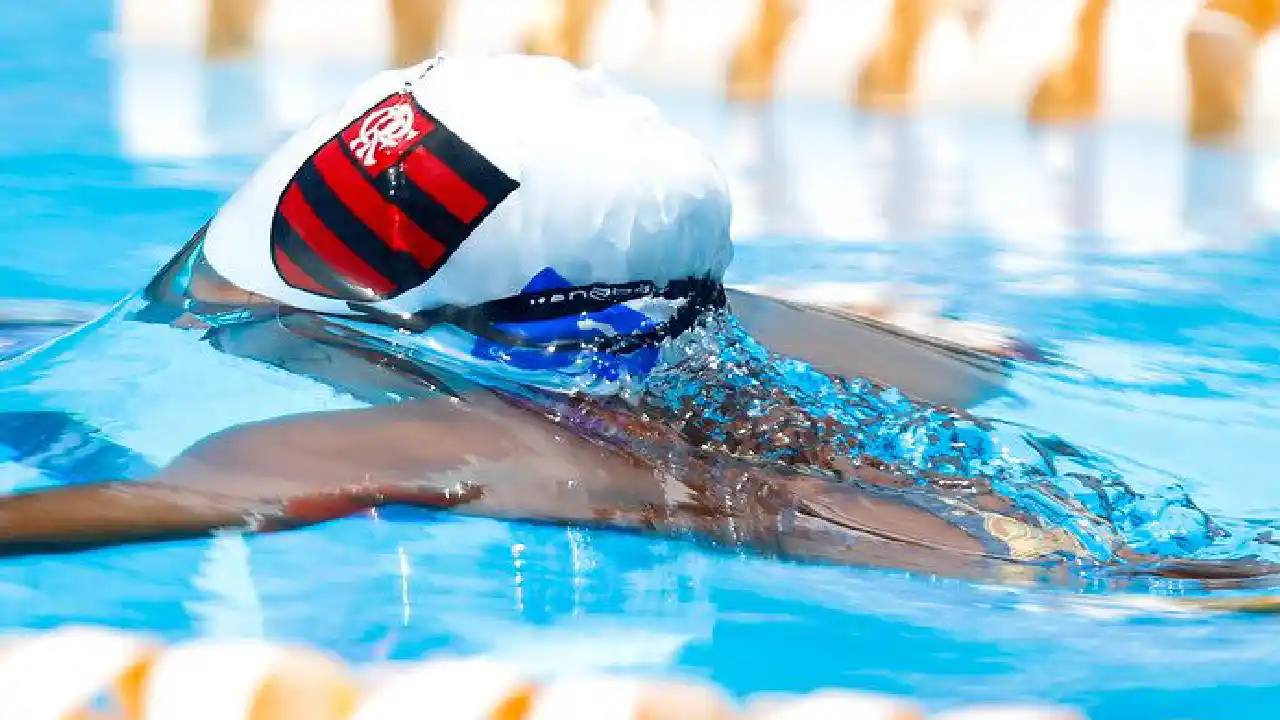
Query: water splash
point(729, 393)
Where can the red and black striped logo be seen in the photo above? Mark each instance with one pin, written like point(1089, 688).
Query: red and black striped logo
point(380, 207)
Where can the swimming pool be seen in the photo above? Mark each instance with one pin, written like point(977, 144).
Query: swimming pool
point(1143, 269)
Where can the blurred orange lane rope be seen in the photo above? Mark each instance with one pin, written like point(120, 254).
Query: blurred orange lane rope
point(1222, 45)
point(1216, 43)
point(85, 673)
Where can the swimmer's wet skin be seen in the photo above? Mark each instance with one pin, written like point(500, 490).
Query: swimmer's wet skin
point(533, 311)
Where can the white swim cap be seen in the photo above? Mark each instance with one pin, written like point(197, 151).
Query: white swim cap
point(467, 180)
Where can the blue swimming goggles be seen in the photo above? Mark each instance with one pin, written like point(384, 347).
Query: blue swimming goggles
point(500, 320)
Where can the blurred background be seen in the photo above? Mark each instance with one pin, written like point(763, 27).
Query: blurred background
point(1098, 179)
point(839, 120)
point(1056, 127)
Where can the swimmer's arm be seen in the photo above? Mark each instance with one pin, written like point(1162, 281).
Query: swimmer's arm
point(815, 519)
point(298, 471)
point(840, 344)
point(260, 477)
point(69, 519)
point(479, 457)
point(66, 519)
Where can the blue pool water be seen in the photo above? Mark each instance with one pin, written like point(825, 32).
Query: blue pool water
point(1145, 271)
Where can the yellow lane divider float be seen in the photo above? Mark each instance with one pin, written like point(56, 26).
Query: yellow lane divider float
point(84, 673)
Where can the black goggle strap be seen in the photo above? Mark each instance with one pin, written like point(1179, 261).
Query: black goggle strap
point(699, 294)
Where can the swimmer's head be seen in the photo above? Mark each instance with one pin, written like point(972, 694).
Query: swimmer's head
point(535, 206)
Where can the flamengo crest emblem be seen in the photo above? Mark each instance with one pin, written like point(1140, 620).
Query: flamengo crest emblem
point(385, 129)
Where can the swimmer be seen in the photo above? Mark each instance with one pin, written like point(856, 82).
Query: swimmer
point(517, 267)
